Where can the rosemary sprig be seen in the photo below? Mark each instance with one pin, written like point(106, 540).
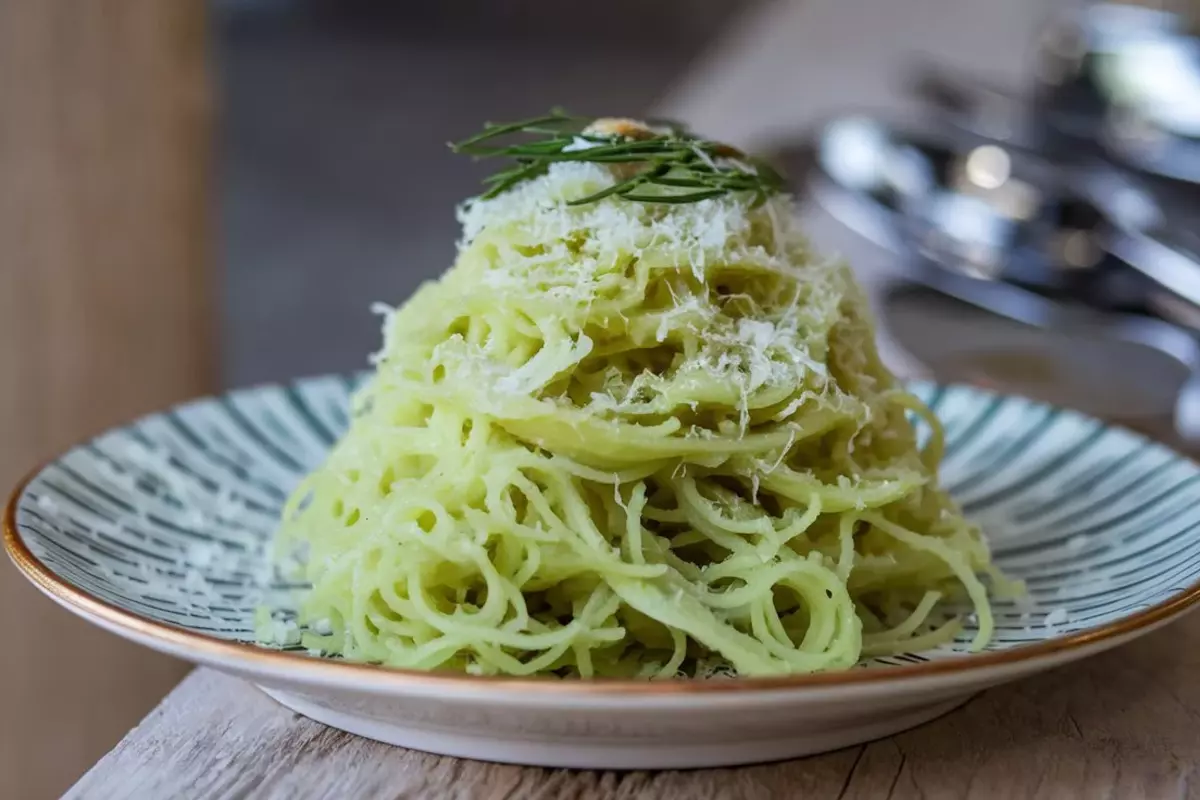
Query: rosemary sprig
point(671, 165)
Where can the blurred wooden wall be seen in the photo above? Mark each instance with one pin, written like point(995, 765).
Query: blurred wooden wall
point(104, 314)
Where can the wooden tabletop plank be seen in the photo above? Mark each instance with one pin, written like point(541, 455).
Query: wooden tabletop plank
point(1121, 725)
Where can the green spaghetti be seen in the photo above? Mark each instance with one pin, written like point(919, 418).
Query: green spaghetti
point(632, 438)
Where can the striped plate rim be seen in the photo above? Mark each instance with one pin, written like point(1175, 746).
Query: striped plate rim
point(221, 652)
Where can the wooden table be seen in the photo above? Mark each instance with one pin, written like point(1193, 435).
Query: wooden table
point(1123, 725)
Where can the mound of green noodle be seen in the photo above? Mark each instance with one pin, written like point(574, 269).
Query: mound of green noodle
point(636, 440)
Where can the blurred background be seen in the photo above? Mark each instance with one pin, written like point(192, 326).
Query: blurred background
point(336, 187)
point(211, 193)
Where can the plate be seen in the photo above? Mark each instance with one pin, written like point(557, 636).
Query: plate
point(158, 531)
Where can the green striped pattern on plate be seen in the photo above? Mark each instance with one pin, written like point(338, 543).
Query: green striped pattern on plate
point(170, 518)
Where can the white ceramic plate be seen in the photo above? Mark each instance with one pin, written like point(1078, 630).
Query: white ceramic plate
point(157, 531)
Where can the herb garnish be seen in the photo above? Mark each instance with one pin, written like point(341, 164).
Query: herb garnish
point(669, 165)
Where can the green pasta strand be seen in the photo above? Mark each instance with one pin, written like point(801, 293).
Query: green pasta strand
point(631, 439)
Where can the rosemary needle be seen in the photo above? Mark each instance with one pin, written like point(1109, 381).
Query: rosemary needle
point(676, 167)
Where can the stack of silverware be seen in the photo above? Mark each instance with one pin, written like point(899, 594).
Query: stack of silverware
point(1069, 207)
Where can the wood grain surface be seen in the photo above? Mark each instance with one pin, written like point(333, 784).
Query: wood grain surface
point(104, 314)
point(1122, 725)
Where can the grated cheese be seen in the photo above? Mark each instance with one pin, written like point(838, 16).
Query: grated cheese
point(1056, 617)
